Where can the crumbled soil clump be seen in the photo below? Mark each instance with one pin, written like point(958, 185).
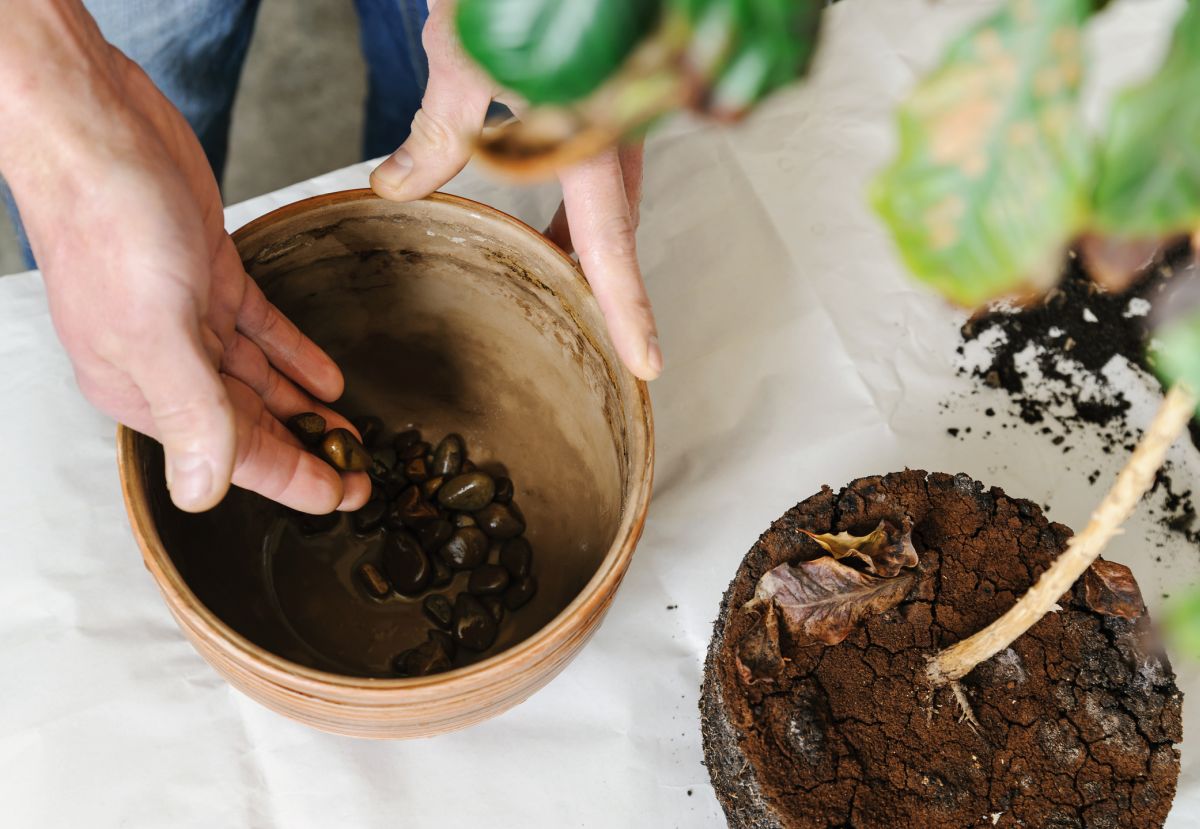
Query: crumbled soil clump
point(1078, 720)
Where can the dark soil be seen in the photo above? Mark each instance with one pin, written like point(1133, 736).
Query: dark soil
point(1077, 720)
point(1075, 332)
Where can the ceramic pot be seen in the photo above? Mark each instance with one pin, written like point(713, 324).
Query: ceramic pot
point(453, 317)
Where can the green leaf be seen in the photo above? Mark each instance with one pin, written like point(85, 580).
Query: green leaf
point(1174, 351)
point(990, 181)
point(553, 51)
point(1183, 623)
point(746, 49)
point(1149, 173)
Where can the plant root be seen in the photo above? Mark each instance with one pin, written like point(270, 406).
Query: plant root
point(965, 714)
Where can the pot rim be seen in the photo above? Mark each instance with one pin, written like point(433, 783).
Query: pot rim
point(591, 600)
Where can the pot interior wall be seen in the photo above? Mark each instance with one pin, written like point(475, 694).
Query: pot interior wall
point(443, 321)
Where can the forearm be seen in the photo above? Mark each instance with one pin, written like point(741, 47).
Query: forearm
point(59, 82)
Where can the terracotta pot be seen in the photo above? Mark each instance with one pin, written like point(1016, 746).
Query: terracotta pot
point(451, 316)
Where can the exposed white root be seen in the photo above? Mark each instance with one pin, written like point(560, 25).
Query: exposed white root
point(965, 714)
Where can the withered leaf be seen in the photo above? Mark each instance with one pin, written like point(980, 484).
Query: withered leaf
point(884, 551)
point(824, 599)
point(759, 657)
point(1110, 588)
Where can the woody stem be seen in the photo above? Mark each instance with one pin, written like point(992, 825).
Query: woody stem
point(1134, 480)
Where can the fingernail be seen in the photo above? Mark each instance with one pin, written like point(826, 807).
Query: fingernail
point(190, 480)
point(392, 172)
point(654, 358)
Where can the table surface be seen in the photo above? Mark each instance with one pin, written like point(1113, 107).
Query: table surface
point(798, 353)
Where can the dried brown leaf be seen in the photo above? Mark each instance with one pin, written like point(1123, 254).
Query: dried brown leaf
point(1110, 588)
point(844, 544)
point(824, 599)
point(759, 656)
point(884, 551)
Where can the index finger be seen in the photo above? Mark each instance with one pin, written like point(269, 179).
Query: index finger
point(604, 234)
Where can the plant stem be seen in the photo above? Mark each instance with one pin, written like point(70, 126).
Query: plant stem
point(1134, 480)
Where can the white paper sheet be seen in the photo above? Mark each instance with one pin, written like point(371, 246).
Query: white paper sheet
point(798, 353)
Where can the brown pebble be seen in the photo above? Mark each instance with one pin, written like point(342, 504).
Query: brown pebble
point(406, 564)
point(394, 485)
point(488, 579)
point(468, 493)
point(500, 520)
point(520, 592)
point(370, 516)
point(434, 534)
point(383, 465)
point(429, 488)
point(416, 470)
point(439, 610)
point(411, 510)
point(374, 581)
point(474, 627)
point(442, 574)
point(495, 606)
point(466, 549)
point(448, 457)
point(343, 451)
point(309, 427)
point(444, 639)
point(430, 657)
point(517, 557)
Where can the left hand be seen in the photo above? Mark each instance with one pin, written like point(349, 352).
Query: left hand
point(598, 217)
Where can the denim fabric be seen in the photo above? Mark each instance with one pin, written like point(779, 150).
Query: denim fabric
point(397, 70)
point(193, 50)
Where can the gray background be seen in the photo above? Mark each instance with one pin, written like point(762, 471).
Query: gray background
point(299, 109)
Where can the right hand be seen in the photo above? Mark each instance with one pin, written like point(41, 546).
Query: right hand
point(598, 217)
point(166, 332)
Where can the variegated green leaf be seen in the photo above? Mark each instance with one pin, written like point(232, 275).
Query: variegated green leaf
point(1149, 160)
point(742, 50)
point(992, 174)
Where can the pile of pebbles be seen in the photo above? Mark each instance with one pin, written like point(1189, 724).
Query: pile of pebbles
point(441, 515)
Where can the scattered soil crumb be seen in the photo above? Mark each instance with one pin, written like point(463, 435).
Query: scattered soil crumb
point(1052, 358)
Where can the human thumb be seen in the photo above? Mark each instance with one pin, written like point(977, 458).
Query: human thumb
point(448, 124)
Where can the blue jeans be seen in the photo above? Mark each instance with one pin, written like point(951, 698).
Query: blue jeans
point(193, 50)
